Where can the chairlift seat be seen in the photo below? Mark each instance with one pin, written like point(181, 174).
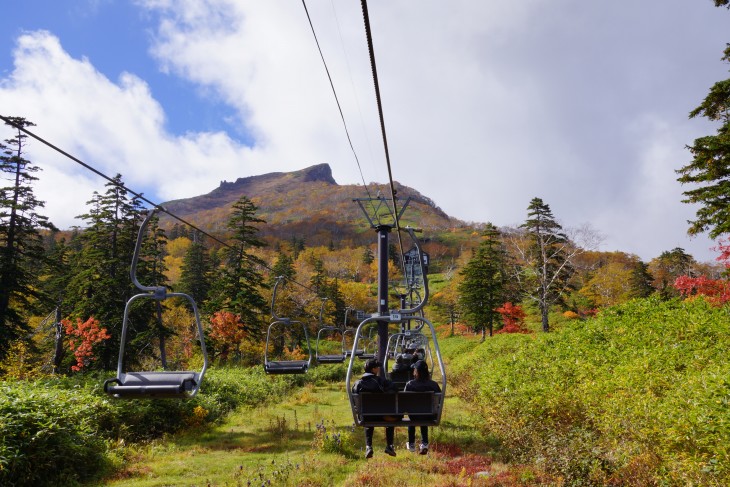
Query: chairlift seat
point(331, 359)
point(398, 408)
point(137, 385)
point(287, 367)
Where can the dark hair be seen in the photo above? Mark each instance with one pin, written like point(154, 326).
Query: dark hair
point(422, 367)
point(371, 364)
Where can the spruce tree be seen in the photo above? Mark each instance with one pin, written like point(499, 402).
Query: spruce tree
point(319, 278)
point(195, 272)
point(101, 284)
point(239, 284)
point(21, 244)
point(483, 288)
point(284, 266)
point(709, 171)
point(546, 268)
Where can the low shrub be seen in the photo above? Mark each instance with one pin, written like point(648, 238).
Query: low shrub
point(642, 391)
point(60, 430)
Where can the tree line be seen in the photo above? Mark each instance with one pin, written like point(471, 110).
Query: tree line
point(82, 275)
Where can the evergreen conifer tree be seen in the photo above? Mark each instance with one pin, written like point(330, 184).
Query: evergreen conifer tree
point(483, 287)
point(195, 272)
point(101, 284)
point(21, 244)
point(709, 171)
point(546, 265)
point(238, 288)
point(284, 266)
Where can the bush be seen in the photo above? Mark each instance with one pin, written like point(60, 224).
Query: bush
point(49, 437)
point(641, 391)
point(60, 430)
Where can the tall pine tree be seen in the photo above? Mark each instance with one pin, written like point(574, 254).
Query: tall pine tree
point(546, 256)
point(709, 171)
point(483, 288)
point(21, 244)
point(101, 285)
point(240, 282)
point(195, 272)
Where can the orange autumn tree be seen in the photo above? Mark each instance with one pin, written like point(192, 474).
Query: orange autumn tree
point(226, 331)
point(83, 336)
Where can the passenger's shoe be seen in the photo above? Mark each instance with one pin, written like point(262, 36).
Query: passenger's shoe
point(369, 452)
point(390, 450)
point(423, 449)
point(411, 447)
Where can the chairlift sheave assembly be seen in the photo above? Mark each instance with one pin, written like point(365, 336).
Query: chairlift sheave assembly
point(154, 384)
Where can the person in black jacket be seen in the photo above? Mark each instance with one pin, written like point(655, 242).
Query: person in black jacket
point(371, 381)
point(421, 383)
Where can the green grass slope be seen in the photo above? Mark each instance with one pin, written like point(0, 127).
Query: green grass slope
point(637, 396)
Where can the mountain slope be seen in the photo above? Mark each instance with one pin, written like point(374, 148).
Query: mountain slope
point(306, 204)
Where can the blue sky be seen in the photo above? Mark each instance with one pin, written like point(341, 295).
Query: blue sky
point(487, 104)
point(115, 35)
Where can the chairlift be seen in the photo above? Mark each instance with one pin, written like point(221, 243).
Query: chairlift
point(401, 349)
point(400, 408)
point(279, 330)
point(370, 345)
point(348, 336)
point(154, 384)
point(329, 335)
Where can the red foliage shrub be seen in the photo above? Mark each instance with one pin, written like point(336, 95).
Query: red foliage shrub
point(226, 331)
point(513, 316)
point(717, 291)
point(85, 335)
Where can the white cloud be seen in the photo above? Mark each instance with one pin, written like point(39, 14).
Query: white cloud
point(116, 128)
point(487, 104)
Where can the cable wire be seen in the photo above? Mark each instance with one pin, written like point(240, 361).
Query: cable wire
point(339, 107)
point(371, 50)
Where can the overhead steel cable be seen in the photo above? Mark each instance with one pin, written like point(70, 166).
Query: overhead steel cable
point(334, 92)
point(352, 85)
point(371, 50)
point(40, 139)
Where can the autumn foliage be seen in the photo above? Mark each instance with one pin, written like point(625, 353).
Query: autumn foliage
point(83, 336)
point(226, 330)
point(717, 291)
point(513, 317)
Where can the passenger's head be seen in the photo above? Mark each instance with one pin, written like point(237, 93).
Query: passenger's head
point(372, 364)
point(421, 370)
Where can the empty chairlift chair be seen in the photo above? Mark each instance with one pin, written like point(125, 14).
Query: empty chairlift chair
point(279, 332)
point(330, 342)
point(162, 383)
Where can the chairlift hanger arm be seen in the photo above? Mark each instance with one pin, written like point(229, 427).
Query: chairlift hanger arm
point(279, 280)
point(411, 231)
point(158, 291)
point(321, 311)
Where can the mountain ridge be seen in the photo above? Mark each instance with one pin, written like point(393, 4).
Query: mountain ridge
point(305, 203)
